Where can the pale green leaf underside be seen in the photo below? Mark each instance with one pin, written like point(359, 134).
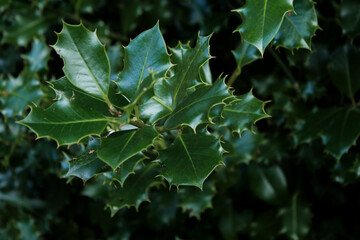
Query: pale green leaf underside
point(86, 64)
point(190, 159)
point(262, 20)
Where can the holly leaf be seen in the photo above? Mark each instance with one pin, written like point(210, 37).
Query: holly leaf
point(126, 168)
point(62, 86)
point(79, 115)
point(338, 129)
point(86, 64)
point(196, 201)
point(350, 18)
point(298, 28)
point(121, 146)
point(38, 55)
point(24, 28)
point(268, 184)
point(296, 219)
point(262, 20)
point(188, 62)
point(144, 55)
point(190, 159)
point(242, 113)
point(245, 54)
point(344, 70)
point(194, 109)
point(17, 93)
point(87, 165)
point(135, 189)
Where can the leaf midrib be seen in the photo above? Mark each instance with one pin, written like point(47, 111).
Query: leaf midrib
point(86, 64)
point(188, 154)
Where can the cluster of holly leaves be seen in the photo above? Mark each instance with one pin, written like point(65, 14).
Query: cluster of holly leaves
point(131, 122)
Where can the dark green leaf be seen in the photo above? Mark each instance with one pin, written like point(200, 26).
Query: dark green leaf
point(24, 28)
point(87, 165)
point(344, 70)
point(196, 201)
point(350, 17)
point(86, 64)
point(64, 117)
point(338, 129)
point(135, 189)
point(190, 159)
point(126, 168)
point(243, 113)
point(17, 93)
point(245, 54)
point(268, 184)
point(262, 20)
point(297, 29)
point(123, 145)
point(295, 219)
point(194, 109)
point(188, 62)
point(144, 55)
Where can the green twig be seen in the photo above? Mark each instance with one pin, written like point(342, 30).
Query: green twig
point(236, 73)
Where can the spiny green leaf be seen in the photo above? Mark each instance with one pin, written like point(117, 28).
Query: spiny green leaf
point(194, 109)
point(17, 93)
point(298, 28)
point(121, 146)
point(338, 128)
point(295, 219)
point(344, 69)
point(24, 28)
point(242, 113)
point(187, 62)
point(262, 20)
point(86, 64)
point(134, 191)
point(190, 159)
point(245, 54)
point(145, 54)
point(268, 184)
point(87, 165)
point(126, 168)
point(350, 17)
point(66, 116)
point(62, 86)
point(196, 201)
point(38, 55)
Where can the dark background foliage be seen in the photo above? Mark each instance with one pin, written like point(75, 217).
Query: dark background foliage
point(270, 179)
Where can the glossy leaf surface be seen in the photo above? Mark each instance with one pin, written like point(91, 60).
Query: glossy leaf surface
point(86, 64)
point(123, 145)
point(350, 17)
point(262, 20)
point(245, 54)
point(64, 116)
point(87, 165)
point(127, 168)
point(190, 159)
point(297, 29)
point(135, 189)
point(194, 109)
point(145, 54)
point(243, 113)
